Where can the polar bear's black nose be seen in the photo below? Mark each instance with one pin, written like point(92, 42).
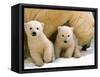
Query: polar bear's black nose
point(65, 41)
point(33, 33)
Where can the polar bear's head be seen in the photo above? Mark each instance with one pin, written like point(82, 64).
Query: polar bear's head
point(65, 33)
point(33, 28)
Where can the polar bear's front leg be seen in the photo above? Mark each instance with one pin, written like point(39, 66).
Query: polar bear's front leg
point(37, 59)
point(57, 51)
point(48, 54)
point(77, 52)
point(69, 52)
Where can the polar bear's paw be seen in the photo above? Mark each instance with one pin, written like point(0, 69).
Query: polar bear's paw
point(39, 63)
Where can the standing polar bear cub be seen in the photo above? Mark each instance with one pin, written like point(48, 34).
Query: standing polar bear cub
point(66, 43)
point(41, 49)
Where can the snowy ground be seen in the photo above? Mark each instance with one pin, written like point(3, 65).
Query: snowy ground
point(87, 58)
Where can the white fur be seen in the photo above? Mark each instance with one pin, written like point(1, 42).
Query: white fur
point(41, 49)
point(65, 33)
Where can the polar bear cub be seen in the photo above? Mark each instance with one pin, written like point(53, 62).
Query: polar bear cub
point(66, 43)
point(41, 49)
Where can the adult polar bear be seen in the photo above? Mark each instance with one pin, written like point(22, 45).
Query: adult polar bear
point(83, 22)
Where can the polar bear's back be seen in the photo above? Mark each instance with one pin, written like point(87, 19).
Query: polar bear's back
point(83, 23)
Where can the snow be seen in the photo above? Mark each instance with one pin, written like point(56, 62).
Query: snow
point(87, 58)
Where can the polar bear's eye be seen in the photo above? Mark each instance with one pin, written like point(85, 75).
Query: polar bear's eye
point(30, 28)
point(68, 35)
point(62, 35)
point(37, 28)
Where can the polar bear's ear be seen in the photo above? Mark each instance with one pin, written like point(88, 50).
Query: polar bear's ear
point(42, 24)
point(25, 24)
point(72, 28)
point(59, 27)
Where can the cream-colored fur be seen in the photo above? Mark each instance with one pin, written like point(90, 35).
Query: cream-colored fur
point(66, 43)
point(81, 21)
point(41, 49)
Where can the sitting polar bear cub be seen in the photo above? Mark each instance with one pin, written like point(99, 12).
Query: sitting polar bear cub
point(41, 49)
point(66, 43)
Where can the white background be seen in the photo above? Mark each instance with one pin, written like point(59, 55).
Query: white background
point(5, 38)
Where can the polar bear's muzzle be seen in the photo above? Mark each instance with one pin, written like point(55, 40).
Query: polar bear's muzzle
point(33, 33)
